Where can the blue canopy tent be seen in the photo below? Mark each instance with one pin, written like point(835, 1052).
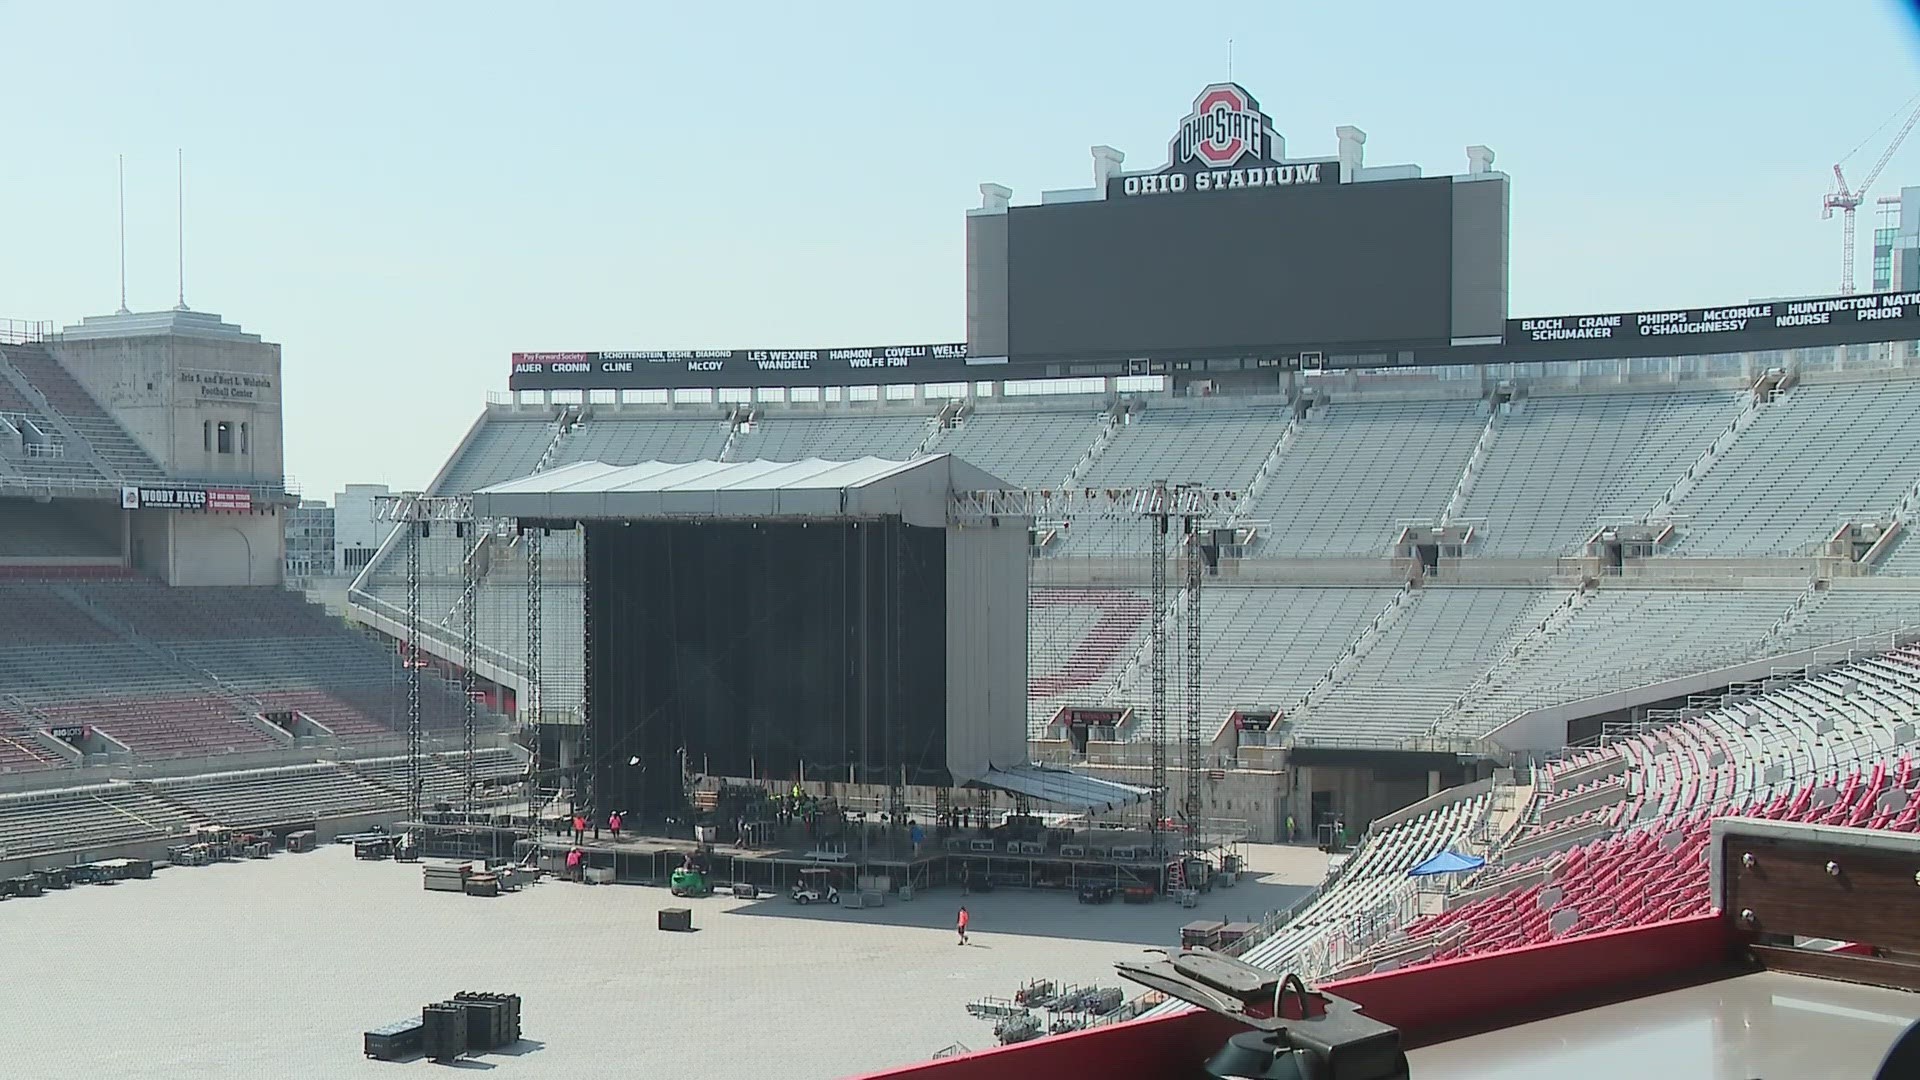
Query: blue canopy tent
point(1447, 862)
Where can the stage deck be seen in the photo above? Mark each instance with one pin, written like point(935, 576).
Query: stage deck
point(1766, 1024)
point(648, 858)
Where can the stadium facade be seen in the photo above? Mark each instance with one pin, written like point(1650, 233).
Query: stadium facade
point(1450, 511)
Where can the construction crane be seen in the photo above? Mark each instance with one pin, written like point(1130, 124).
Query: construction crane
point(1848, 201)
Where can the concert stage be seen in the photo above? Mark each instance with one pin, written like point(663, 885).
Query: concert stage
point(859, 622)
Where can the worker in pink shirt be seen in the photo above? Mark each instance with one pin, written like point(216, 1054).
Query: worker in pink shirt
point(963, 926)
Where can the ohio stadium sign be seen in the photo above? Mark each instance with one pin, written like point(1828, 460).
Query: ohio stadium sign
point(1225, 144)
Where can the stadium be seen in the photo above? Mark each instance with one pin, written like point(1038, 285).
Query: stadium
point(1160, 580)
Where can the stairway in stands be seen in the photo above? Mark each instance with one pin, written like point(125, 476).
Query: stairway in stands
point(70, 402)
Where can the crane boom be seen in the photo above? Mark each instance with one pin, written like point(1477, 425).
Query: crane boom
point(1905, 129)
point(1848, 201)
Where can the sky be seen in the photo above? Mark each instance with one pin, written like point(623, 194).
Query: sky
point(402, 195)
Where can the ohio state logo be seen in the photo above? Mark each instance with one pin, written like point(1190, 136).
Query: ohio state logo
point(1226, 125)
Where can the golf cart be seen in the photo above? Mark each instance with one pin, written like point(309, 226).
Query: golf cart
point(687, 881)
point(691, 878)
point(815, 884)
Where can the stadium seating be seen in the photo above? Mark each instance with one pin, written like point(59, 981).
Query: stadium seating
point(1033, 447)
point(1366, 894)
point(20, 751)
point(356, 675)
point(1077, 641)
point(104, 434)
point(267, 797)
point(1558, 468)
point(1617, 637)
point(443, 776)
point(90, 818)
point(619, 439)
point(1356, 472)
point(503, 446)
point(834, 438)
point(37, 615)
point(37, 531)
point(1421, 662)
point(1218, 443)
point(157, 612)
point(160, 727)
point(1828, 748)
point(1266, 647)
point(348, 723)
point(118, 669)
point(1817, 457)
point(174, 672)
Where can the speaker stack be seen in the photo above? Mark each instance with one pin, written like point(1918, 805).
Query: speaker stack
point(468, 1022)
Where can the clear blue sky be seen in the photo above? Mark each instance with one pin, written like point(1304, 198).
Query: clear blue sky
point(403, 194)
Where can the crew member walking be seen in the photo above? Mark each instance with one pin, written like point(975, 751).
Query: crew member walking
point(963, 926)
point(579, 828)
point(613, 823)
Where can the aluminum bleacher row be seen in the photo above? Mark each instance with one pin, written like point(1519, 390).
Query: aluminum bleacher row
point(1557, 470)
point(1535, 476)
point(1354, 471)
point(1440, 642)
point(1365, 891)
point(1838, 748)
point(94, 818)
point(182, 672)
point(1820, 456)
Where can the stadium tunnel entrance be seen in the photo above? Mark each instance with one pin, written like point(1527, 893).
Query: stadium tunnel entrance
point(1335, 789)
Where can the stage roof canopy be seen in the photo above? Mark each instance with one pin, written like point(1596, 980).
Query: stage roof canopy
point(916, 491)
point(1063, 788)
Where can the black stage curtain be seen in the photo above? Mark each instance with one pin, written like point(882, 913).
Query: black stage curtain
point(759, 647)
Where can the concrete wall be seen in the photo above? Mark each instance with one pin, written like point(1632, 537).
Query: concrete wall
point(1480, 215)
point(164, 376)
point(1358, 793)
point(203, 548)
point(987, 284)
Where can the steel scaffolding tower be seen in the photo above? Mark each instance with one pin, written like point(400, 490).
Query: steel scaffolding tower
point(415, 533)
point(469, 629)
point(585, 795)
point(1157, 705)
point(1199, 509)
point(530, 698)
point(1190, 807)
